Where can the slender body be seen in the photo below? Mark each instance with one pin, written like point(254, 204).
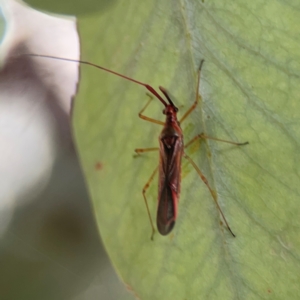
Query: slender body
point(171, 150)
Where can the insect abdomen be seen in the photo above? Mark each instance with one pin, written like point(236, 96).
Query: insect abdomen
point(166, 211)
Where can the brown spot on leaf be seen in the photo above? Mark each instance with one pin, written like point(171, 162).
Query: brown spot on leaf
point(98, 166)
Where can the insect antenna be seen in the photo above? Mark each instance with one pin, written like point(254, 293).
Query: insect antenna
point(164, 91)
point(147, 86)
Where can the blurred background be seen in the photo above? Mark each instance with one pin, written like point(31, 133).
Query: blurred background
point(50, 248)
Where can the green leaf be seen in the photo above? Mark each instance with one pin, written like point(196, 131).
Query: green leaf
point(250, 92)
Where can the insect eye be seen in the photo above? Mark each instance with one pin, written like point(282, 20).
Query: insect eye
point(176, 109)
point(164, 111)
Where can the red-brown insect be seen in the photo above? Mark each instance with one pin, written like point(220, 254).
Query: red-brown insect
point(171, 150)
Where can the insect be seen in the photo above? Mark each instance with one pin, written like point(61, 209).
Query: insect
point(171, 150)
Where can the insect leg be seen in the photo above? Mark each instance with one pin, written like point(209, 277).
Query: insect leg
point(147, 118)
point(203, 136)
point(197, 96)
point(210, 189)
point(138, 151)
point(146, 202)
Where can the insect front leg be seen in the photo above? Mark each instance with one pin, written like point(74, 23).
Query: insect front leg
point(197, 95)
point(147, 118)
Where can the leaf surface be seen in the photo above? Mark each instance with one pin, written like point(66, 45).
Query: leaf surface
point(250, 92)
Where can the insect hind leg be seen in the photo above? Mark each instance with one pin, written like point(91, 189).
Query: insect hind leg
point(203, 178)
point(146, 202)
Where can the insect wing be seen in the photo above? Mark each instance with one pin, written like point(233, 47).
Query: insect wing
point(169, 186)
